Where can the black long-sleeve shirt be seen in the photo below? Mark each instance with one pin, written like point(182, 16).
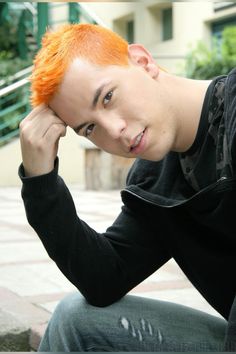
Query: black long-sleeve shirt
point(181, 207)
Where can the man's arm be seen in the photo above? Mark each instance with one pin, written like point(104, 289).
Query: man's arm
point(104, 267)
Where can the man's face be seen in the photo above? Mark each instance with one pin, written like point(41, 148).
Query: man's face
point(117, 108)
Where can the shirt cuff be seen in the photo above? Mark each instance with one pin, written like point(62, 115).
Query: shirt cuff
point(39, 184)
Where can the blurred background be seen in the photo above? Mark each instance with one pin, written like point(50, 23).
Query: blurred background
point(195, 39)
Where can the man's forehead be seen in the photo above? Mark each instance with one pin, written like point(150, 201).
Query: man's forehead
point(77, 69)
point(86, 67)
point(82, 75)
point(83, 65)
point(78, 93)
point(83, 84)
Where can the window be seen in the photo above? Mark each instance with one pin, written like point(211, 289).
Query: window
point(219, 26)
point(125, 27)
point(167, 24)
point(130, 31)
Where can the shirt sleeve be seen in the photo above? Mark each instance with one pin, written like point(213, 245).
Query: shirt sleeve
point(103, 266)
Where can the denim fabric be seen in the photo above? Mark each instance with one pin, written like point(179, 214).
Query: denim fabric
point(131, 324)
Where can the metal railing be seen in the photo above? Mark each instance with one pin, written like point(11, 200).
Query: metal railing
point(14, 104)
point(16, 77)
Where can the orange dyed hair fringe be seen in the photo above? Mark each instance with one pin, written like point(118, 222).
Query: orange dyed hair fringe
point(94, 43)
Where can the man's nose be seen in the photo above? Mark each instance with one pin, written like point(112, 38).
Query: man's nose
point(113, 126)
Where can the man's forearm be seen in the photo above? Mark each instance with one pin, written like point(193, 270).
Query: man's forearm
point(104, 267)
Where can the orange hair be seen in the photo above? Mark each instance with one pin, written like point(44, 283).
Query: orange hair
point(92, 42)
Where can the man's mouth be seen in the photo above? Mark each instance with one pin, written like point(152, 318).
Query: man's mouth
point(137, 141)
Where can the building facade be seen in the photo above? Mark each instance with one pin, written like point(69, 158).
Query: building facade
point(167, 29)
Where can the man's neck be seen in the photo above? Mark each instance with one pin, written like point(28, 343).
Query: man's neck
point(187, 97)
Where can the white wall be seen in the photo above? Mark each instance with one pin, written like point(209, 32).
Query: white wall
point(188, 26)
point(70, 153)
point(10, 159)
point(109, 11)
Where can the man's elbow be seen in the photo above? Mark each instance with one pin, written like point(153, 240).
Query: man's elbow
point(103, 299)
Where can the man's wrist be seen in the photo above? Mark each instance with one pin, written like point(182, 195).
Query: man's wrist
point(41, 184)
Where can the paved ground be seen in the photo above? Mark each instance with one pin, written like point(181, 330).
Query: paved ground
point(30, 283)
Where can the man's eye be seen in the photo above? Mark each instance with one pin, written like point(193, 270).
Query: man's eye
point(89, 129)
point(107, 98)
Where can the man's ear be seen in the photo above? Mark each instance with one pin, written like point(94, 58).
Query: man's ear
point(138, 55)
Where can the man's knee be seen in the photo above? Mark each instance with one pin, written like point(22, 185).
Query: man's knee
point(63, 330)
point(70, 309)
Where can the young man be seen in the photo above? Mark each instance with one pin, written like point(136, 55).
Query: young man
point(179, 201)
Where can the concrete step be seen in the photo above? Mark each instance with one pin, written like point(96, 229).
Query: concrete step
point(21, 323)
point(14, 334)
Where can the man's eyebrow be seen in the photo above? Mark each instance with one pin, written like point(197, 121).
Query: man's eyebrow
point(94, 103)
point(97, 95)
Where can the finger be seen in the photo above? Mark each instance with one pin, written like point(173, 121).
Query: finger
point(41, 127)
point(54, 132)
point(37, 110)
point(63, 134)
point(37, 127)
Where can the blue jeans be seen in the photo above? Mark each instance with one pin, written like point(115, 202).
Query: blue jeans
point(131, 324)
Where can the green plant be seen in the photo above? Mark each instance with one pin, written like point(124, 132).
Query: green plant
point(16, 53)
point(202, 63)
point(15, 25)
point(10, 65)
point(13, 107)
point(8, 29)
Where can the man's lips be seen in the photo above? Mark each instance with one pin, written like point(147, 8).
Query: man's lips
point(137, 142)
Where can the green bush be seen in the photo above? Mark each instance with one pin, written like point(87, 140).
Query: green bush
point(202, 63)
point(8, 29)
point(13, 106)
point(12, 23)
point(10, 65)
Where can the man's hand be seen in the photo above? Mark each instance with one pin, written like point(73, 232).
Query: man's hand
point(40, 132)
